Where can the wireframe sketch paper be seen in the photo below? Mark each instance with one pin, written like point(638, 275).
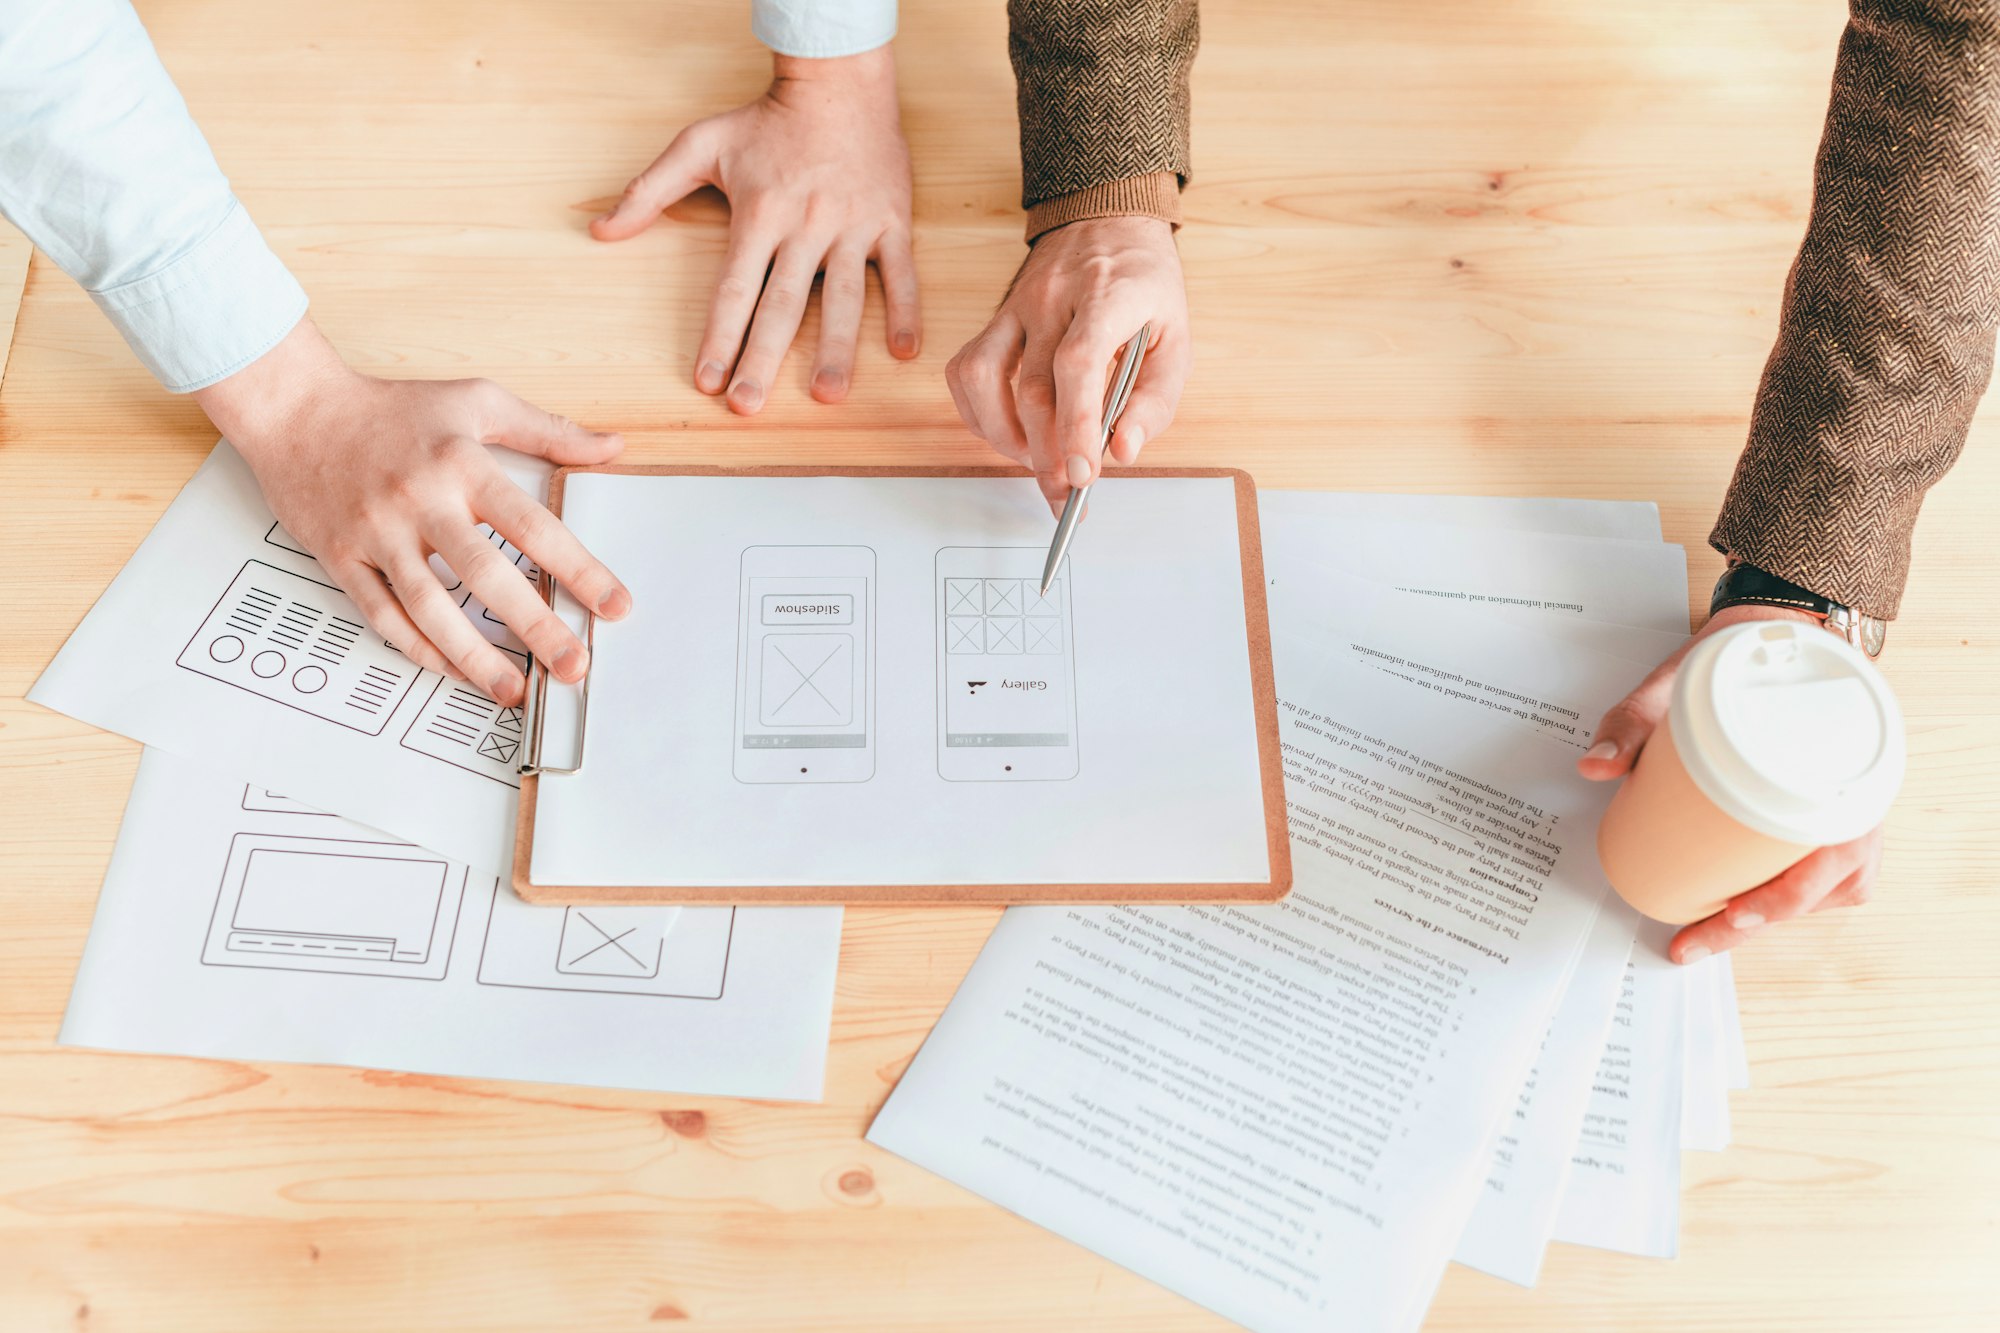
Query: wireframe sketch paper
point(812, 659)
point(222, 639)
point(1284, 1112)
point(235, 923)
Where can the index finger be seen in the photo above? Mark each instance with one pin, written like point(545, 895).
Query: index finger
point(497, 583)
point(533, 529)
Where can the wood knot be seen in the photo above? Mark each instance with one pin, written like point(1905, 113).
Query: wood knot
point(857, 1182)
point(662, 1313)
point(687, 1124)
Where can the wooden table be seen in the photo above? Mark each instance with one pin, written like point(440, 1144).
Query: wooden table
point(1524, 248)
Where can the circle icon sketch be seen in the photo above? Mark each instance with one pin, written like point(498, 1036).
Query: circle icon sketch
point(309, 679)
point(226, 648)
point(267, 664)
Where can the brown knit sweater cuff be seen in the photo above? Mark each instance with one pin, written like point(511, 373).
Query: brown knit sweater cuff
point(1157, 195)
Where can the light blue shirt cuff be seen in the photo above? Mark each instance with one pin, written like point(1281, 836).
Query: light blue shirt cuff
point(212, 311)
point(823, 29)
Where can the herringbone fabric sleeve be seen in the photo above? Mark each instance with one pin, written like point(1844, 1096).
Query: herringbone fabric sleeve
point(1102, 87)
point(1886, 339)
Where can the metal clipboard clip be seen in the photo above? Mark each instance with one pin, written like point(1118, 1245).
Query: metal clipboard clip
point(538, 695)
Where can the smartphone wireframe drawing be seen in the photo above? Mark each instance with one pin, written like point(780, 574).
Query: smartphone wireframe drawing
point(805, 665)
point(1006, 668)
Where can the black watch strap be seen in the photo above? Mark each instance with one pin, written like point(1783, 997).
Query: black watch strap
point(1743, 584)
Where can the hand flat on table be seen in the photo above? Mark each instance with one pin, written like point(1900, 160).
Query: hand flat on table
point(374, 476)
point(818, 180)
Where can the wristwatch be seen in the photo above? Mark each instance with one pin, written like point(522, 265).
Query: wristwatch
point(1743, 584)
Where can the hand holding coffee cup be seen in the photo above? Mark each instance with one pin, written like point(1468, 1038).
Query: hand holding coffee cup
point(1762, 758)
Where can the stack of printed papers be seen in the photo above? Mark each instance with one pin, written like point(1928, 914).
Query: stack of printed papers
point(1451, 1042)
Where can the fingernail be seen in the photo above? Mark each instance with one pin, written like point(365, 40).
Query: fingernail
point(501, 687)
point(1602, 750)
point(748, 393)
point(906, 341)
point(1694, 953)
point(1078, 470)
point(1748, 921)
point(709, 378)
point(566, 661)
point(615, 603)
point(829, 382)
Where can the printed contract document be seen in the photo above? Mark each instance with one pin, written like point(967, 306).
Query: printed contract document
point(1287, 1112)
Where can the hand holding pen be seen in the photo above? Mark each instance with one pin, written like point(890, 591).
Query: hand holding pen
point(1032, 383)
point(1116, 396)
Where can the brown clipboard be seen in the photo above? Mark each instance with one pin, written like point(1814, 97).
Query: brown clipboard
point(1263, 692)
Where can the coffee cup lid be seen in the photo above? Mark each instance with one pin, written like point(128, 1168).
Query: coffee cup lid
point(1790, 731)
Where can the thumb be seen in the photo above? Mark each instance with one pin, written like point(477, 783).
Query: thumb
point(1154, 398)
point(1615, 746)
point(527, 429)
point(684, 168)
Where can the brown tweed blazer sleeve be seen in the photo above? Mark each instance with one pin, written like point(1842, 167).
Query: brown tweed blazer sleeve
point(1886, 340)
point(1102, 87)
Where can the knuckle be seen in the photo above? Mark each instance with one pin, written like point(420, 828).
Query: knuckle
point(534, 528)
point(783, 296)
point(1038, 389)
point(546, 636)
point(1076, 359)
point(487, 568)
point(421, 596)
point(1625, 715)
point(402, 490)
point(591, 583)
point(973, 373)
point(734, 287)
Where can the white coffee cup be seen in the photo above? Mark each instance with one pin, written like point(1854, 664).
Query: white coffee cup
point(1780, 738)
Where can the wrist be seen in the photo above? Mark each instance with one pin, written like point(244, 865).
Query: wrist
point(255, 403)
point(1122, 231)
point(870, 75)
point(1155, 197)
point(1744, 585)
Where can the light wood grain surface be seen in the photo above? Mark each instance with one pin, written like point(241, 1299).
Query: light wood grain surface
point(1525, 248)
point(14, 252)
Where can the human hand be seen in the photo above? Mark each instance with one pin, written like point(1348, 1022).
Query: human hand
point(1032, 383)
point(375, 475)
point(818, 178)
point(1838, 876)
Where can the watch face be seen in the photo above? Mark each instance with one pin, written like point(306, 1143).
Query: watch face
point(1874, 633)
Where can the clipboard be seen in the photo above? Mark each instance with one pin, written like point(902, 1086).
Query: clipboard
point(1268, 775)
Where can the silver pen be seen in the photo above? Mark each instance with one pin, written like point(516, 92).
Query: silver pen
point(1116, 395)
